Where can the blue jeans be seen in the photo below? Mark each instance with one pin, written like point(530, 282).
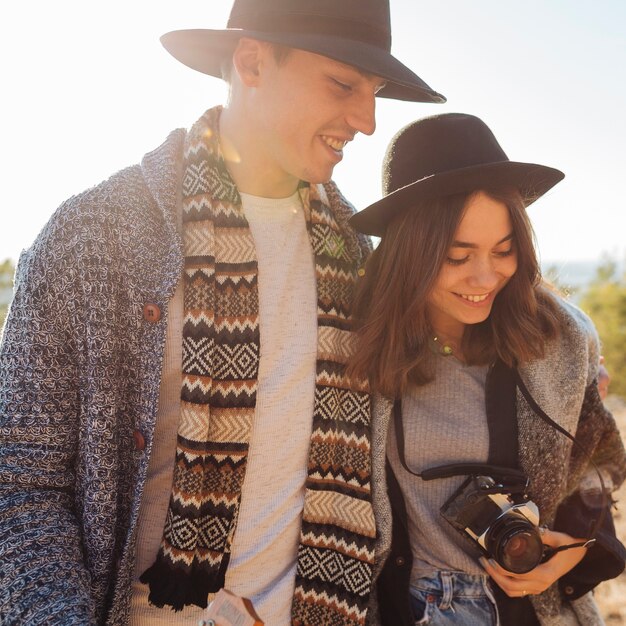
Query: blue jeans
point(454, 599)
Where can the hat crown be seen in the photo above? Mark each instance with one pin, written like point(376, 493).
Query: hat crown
point(444, 155)
point(438, 144)
point(362, 20)
point(353, 32)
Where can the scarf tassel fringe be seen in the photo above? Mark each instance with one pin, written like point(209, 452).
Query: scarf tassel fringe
point(177, 589)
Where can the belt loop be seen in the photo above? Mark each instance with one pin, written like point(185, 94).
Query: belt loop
point(492, 598)
point(447, 587)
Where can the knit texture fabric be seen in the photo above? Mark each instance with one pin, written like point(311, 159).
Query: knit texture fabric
point(221, 347)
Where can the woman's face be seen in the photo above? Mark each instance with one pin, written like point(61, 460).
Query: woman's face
point(479, 263)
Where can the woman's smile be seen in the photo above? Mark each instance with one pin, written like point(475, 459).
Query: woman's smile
point(480, 262)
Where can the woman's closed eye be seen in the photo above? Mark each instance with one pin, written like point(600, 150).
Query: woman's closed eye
point(504, 253)
point(453, 261)
point(501, 254)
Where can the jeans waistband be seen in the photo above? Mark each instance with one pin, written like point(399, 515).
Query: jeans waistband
point(444, 587)
point(450, 584)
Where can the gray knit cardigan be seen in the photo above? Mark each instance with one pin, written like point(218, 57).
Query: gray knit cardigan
point(80, 372)
point(562, 385)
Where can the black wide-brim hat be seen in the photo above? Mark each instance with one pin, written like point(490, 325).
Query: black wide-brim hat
point(447, 154)
point(355, 32)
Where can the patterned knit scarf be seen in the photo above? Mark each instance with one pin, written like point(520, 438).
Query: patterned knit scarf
point(220, 366)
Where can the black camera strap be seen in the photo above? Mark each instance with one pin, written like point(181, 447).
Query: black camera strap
point(504, 473)
point(513, 475)
point(548, 420)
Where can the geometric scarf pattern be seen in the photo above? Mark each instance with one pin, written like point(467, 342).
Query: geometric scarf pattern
point(221, 348)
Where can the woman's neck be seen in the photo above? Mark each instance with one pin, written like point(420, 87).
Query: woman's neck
point(448, 341)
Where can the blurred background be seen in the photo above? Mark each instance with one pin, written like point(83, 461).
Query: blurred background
point(88, 89)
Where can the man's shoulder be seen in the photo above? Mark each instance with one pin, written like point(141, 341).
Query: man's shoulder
point(131, 185)
point(127, 201)
point(107, 192)
point(140, 181)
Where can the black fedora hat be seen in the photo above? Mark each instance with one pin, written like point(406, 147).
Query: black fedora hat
point(355, 32)
point(443, 155)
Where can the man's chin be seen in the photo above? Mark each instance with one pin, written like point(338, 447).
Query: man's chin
point(320, 179)
point(320, 175)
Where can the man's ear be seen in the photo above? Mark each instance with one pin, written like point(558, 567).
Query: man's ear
point(248, 58)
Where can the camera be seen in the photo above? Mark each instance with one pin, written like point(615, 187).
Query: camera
point(500, 518)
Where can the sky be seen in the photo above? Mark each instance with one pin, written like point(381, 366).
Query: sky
point(87, 89)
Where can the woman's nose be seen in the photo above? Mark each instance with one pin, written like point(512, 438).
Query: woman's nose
point(484, 274)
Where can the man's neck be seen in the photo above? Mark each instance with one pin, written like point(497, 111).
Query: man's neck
point(246, 162)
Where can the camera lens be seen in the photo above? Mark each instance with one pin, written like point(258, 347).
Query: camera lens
point(515, 544)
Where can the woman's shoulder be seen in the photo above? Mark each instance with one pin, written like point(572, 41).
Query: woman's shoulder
point(559, 379)
point(571, 318)
point(577, 334)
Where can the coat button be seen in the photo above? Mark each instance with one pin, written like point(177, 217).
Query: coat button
point(569, 590)
point(151, 312)
point(399, 561)
point(140, 442)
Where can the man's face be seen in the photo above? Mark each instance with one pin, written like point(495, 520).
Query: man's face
point(308, 107)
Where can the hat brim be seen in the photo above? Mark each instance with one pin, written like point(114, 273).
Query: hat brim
point(531, 179)
point(204, 50)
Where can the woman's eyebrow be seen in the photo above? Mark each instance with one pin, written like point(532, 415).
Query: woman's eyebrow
point(465, 244)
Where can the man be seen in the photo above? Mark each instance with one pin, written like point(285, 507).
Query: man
point(223, 259)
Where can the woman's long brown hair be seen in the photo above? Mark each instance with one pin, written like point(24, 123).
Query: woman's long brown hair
point(390, 300)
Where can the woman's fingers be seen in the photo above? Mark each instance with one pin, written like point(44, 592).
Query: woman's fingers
point(542, 576)
point(514, 585)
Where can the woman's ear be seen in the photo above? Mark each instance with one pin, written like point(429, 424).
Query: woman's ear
point(247, 60)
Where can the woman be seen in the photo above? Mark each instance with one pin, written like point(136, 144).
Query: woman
point(491, 373)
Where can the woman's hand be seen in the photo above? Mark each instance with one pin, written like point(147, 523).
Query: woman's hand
point(540, 578)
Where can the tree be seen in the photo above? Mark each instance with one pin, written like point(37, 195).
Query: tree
point(552, 277)
point(604, 301)
point(7, 269)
